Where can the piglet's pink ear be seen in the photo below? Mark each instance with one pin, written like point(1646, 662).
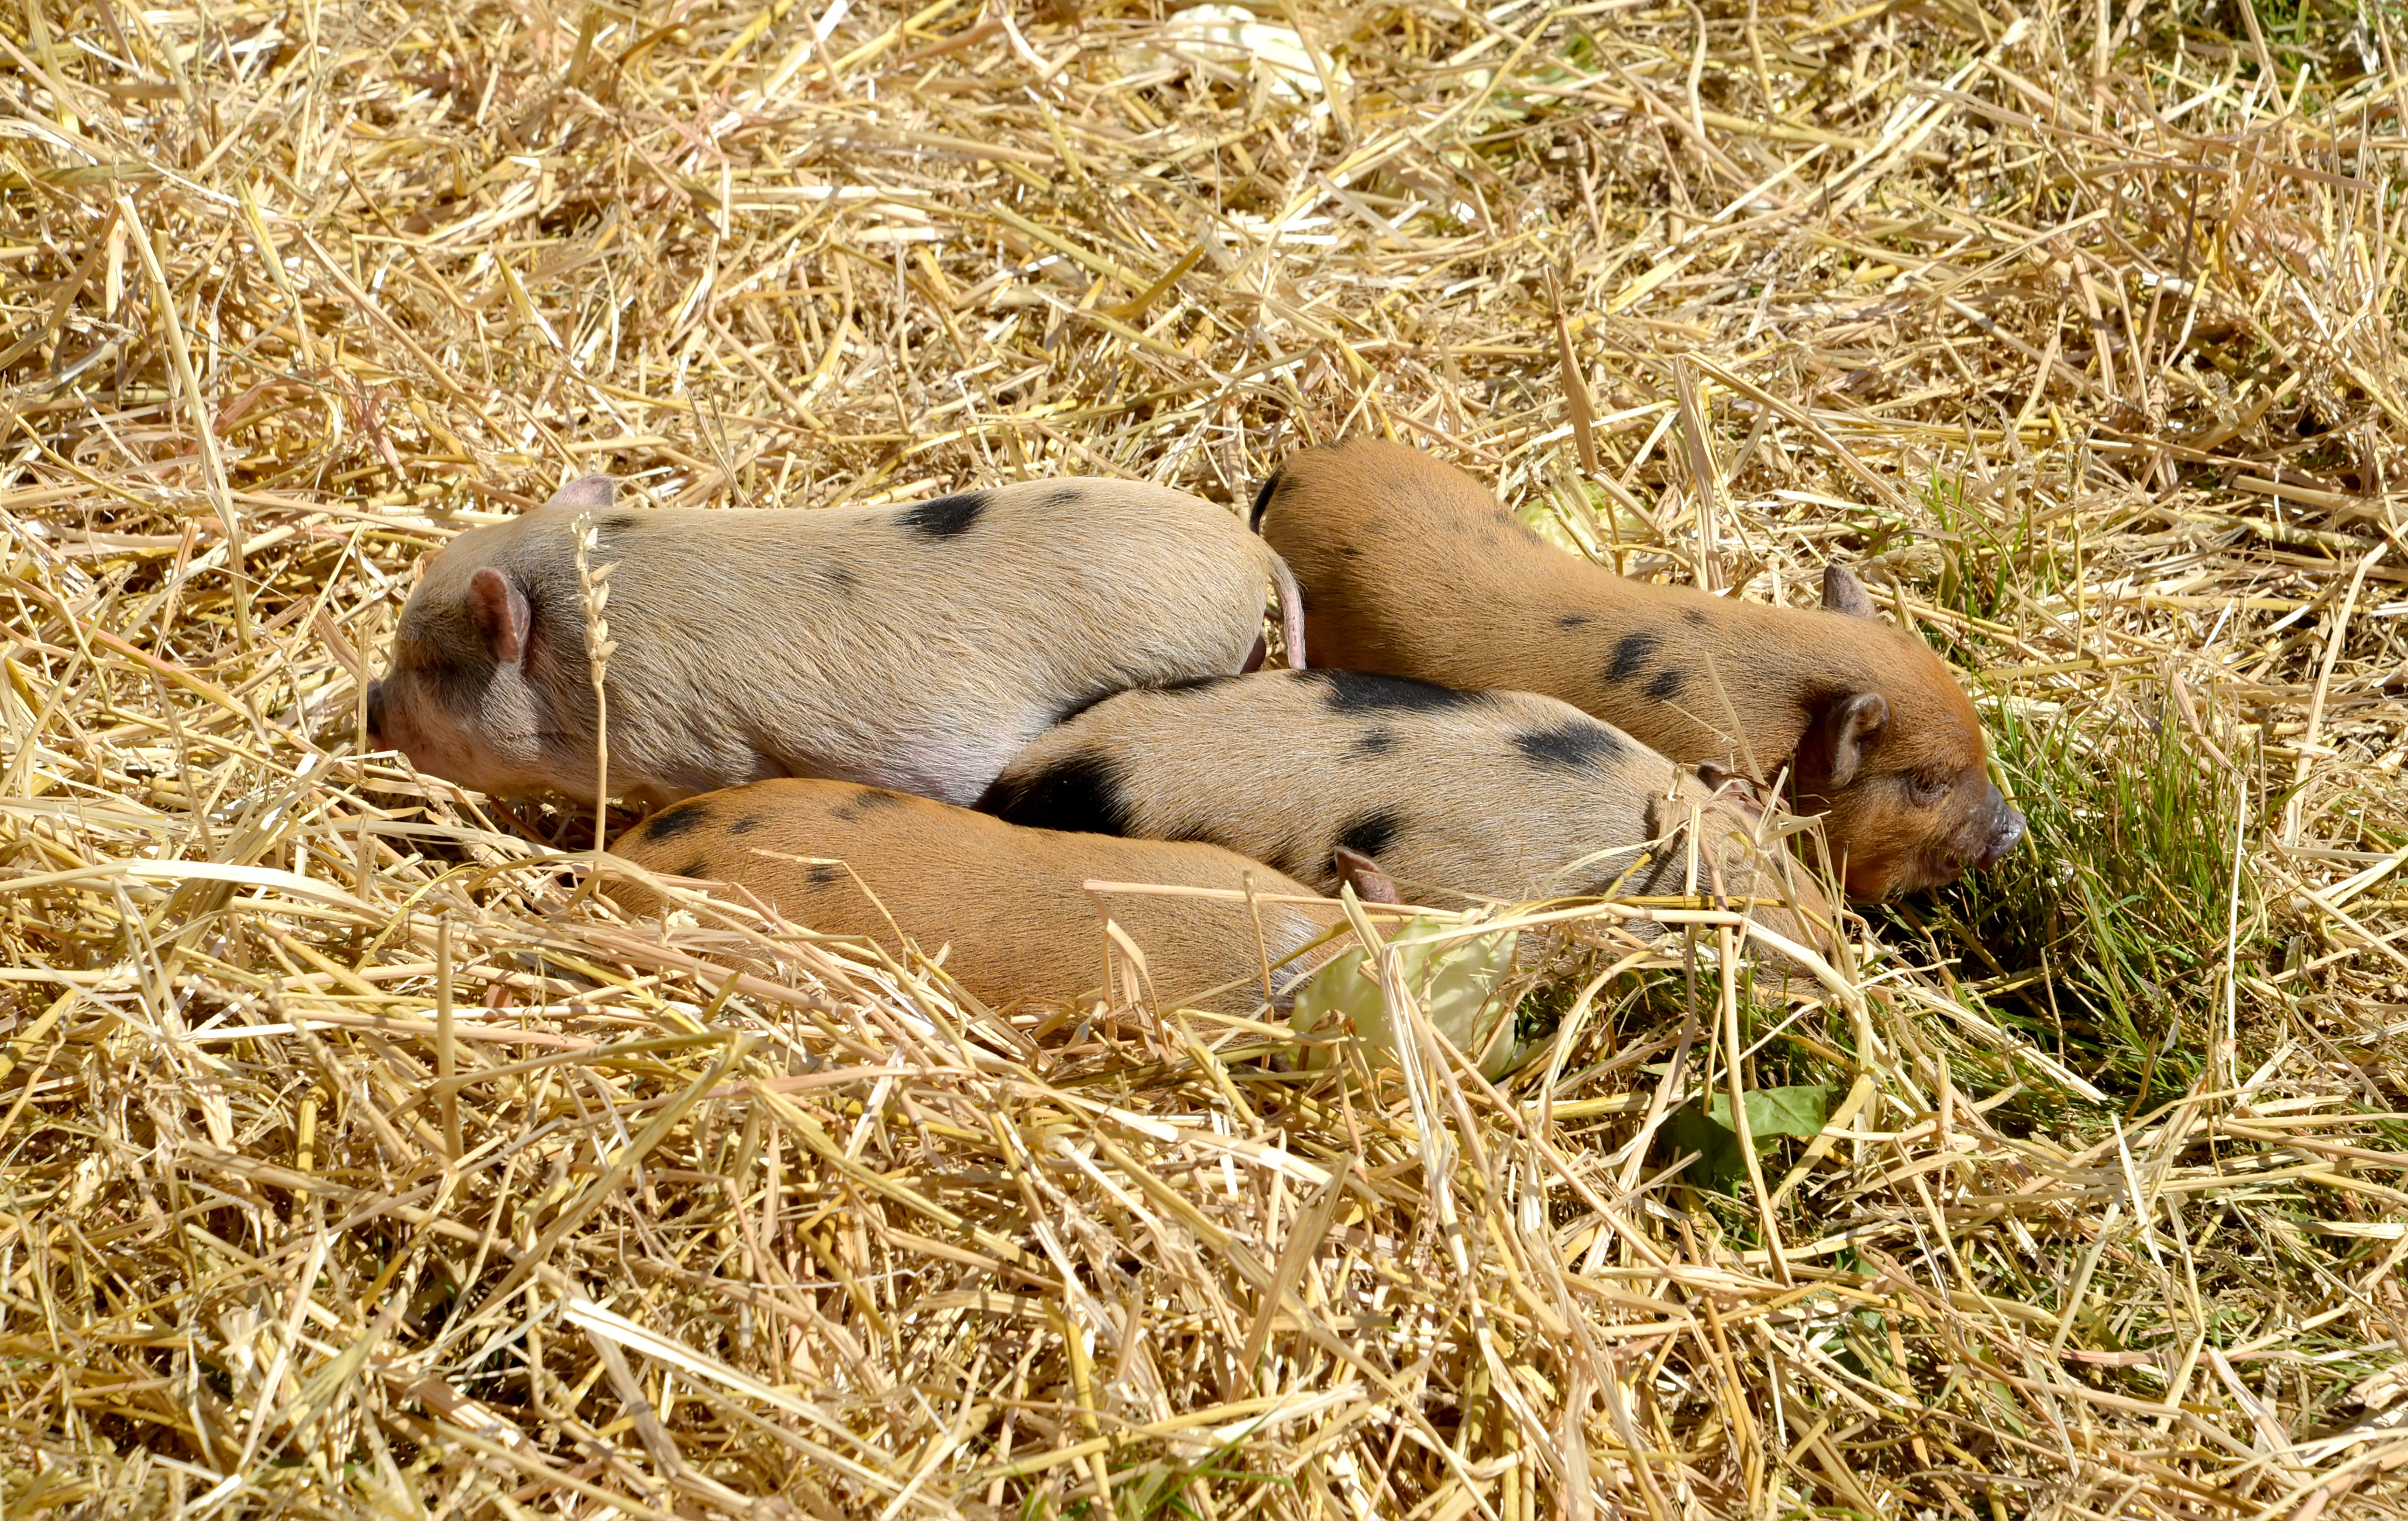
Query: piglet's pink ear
point(502, 616)
point(1371, 884)
point(587, 493)
point(1857, 725)
point(1843, 593)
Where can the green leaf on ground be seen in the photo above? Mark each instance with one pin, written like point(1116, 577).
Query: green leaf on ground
point(1706, 1129)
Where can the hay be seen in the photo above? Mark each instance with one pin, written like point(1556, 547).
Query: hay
point(354, 1165)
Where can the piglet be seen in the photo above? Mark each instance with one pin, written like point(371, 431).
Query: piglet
point(1409, 566)
point(1009, 901)
point(1449, 793)
point(916, 647)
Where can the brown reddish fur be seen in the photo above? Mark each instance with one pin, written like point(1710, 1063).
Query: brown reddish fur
point(1009, 901)
point(1409, 566)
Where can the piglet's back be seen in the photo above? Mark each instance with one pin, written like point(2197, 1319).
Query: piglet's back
point(1412, 566)
point(1009, 900)
point(1085, 581)
point(1489, 794)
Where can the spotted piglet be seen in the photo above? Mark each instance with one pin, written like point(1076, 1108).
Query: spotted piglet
point(1409, 567)
point(916, 647)
point(1450, 793)
point(856, 862)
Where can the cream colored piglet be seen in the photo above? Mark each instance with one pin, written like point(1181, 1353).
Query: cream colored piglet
point(917, 646)
point(1452, 794)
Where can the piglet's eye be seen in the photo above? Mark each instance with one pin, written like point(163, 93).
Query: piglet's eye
point(1926, 789)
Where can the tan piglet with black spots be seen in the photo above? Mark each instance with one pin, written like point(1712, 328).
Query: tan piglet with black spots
point(1009, 901)
point(916, 647)
point(1409, 566)
point(1449, 794)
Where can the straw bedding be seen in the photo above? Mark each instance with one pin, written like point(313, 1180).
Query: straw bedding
point(356, 1162)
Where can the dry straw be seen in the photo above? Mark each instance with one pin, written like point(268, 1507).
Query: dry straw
point(593, 592)
point(348, 1168)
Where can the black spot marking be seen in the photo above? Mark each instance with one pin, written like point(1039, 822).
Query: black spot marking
point(1375, 743)
point(746, 825)
point(867, 800)
point(1263, 502)
point(1697, 616)
point(1668, 681)
point(823, 875)
point(696, 868)
point(1572, 620)
point(1371, 833)
point(1360, 692)
point(619, 522)
point(1079, 792)
point(947, 517)
point(684, 819)
point(1065, 497)
point(1350, 552)
point(1573, 745)
point(841, 579)
point(1629, 653)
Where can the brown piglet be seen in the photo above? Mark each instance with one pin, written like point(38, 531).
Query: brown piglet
point(1491, 795)
point(915, 646)
point(1409, 566)
point(858, 862)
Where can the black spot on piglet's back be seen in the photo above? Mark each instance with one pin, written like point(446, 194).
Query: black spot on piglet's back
point(619, 522)
point(1629, 653)
point(1360, 692)
point(947, 517)
point(696, 868)
point(1667, 683)
point(1574, 745)
point(684, 819)
point(1371, 833)
point(746, 825)
point(864, 802)
point(1079, 792)
point(1375, 741)
point(823, 875)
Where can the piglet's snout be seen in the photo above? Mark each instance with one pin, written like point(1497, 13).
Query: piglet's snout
point(2006, 833)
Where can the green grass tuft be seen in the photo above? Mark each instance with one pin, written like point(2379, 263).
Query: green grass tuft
point(2104, 938)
